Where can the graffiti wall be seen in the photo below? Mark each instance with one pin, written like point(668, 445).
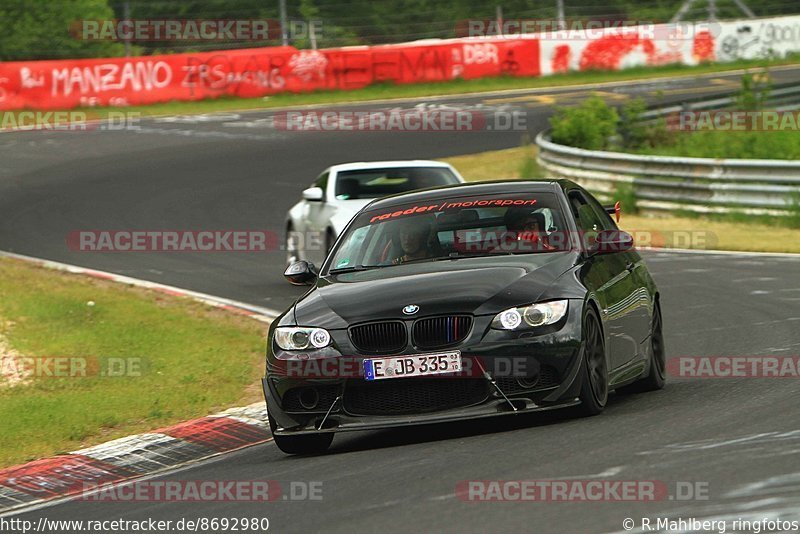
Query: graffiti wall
point(265, 71)
point(688, 44)
point(256, 72)
point(748, 39)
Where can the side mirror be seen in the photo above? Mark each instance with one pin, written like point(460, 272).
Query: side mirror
point(314, 194)
point(301, 273)
point(610, 241)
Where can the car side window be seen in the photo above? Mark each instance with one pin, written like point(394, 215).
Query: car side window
point(585, 216)
point(606, 222)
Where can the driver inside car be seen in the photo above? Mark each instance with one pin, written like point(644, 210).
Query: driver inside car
point(526, 230)
point(414, 234)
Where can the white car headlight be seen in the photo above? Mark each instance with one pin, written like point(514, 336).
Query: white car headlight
point(541, 314)
point(301, 338)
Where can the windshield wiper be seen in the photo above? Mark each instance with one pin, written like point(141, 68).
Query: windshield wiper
point(352, 269)
point(461, 256)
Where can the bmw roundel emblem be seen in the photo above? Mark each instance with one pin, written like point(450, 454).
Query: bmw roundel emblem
point(411, 309)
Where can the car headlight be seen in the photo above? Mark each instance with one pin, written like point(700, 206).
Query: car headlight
point(301, 338)
point(541, 314)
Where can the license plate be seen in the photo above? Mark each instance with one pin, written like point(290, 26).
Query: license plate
point(412, 365)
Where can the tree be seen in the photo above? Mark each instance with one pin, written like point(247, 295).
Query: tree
point(50, 30)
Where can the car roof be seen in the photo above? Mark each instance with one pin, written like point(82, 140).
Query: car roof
point(357, 165)
point(470, 189)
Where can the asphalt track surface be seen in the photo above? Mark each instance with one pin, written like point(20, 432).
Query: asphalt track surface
point(738, 436)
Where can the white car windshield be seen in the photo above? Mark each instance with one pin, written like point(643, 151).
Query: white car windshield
point(376, 183)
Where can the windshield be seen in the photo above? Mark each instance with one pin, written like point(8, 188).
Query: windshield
point(451, 229)
point(376, 183)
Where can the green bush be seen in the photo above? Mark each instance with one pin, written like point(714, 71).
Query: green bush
point(635, 134)
point(656, 138)
point(626, 195)
point(754, 91)
point(594, 125)
point(731, 144)
point(590, 125)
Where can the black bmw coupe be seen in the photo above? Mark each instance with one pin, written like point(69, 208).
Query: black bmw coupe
point(463, 302)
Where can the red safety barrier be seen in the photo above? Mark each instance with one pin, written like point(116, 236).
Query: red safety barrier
point(255, 72)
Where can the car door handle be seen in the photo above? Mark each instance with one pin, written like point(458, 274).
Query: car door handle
point(630, 266)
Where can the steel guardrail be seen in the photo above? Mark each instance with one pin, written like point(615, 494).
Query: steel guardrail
point(754, 186)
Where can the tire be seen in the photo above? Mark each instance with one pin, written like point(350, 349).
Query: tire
point(292, 254)
point(594, 387)
point(303, 444)
point(656, 377)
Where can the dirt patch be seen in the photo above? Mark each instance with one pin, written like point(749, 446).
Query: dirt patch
point(12, 372)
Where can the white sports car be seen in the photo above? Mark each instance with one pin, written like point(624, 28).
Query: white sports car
point(337, 194)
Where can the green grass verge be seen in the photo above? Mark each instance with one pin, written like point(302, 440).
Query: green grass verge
point(455, 87)
point(194, 360)
point(512, 163)
point(733, 232)
point(731, 144)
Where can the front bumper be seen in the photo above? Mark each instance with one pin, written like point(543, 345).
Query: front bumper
point(558, 350)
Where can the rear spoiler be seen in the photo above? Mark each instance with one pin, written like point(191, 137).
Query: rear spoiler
point(614, 210)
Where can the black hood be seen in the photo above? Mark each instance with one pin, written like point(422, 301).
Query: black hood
point(478, 286)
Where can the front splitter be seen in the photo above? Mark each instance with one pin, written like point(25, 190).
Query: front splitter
point(494, 408)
